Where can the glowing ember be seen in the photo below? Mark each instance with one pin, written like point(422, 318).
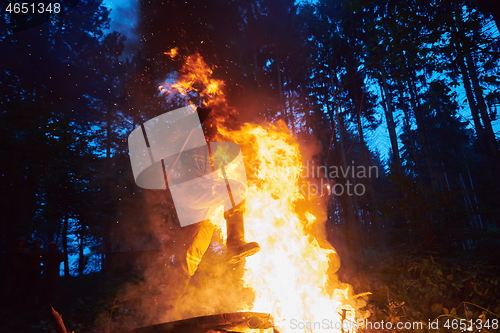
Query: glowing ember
point(172, 53)
point(291, 275)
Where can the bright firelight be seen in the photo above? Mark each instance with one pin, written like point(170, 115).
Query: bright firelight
point(291, 276)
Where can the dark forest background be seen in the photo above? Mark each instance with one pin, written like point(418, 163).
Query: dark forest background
point(425, 236)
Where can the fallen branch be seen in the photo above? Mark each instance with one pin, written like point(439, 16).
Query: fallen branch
point(57, 320)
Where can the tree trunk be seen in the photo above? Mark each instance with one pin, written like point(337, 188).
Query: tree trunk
point(349, 206)
point(107, 196)
point(479, 110)
point(490, 7)
point(391, 126)
point(421, 130)
point(411, 136)
point(81, 255)
point(374, 215)
point(478, 91)
point(65, 246)
point(281, 95)
point(256, 69)
point(472, 103)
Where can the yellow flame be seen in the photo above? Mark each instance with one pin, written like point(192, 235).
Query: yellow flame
point(291, 274)
point(172, 53)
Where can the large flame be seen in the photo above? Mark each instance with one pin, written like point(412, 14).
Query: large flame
point(291, 275)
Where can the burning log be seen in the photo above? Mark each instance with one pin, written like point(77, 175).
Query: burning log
point(234, 322)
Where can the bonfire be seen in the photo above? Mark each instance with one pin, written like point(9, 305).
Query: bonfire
point(293, 277)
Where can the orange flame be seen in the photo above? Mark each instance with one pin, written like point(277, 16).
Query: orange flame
point(291, 274)
point(172, 53)
point(195, 82)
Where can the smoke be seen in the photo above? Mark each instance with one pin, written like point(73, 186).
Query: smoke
point(124, 18)
point(161, 291)
point(216, 287)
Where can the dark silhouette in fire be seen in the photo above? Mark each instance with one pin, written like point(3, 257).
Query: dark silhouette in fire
point(198, 236)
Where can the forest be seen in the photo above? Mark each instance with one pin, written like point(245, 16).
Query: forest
point(393, 103)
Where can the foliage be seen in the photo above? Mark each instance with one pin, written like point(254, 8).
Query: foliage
point(87, 309)
point(424, 287)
